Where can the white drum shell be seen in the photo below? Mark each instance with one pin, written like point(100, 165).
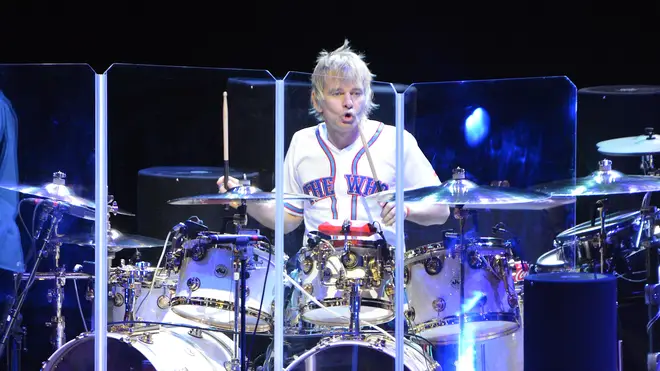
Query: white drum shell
point(426, 293)
point(213, 302)
point(376, 305)
point(149, 307)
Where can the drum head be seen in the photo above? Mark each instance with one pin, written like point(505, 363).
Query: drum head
point(612, 221)
point(80, 356)
point(355, 355)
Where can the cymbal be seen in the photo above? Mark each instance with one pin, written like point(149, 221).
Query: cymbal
point(117, 241)
point(59, 191)
point(604, 181)
point(249, 194)
point(460, 191)
point(631, 146)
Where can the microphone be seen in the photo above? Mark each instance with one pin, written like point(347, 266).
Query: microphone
point(233, 238)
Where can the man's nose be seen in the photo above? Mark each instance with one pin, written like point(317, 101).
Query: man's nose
point(348, 101)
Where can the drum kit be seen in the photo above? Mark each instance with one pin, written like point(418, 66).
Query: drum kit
point(207, 283)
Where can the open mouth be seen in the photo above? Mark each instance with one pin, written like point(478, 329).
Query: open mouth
point(348, 117)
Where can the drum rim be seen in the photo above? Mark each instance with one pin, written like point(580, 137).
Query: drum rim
point(221, 305)
point(344, 302)
point(419, 328)
point(376, 341)
point(585, 228)
point(549, 253)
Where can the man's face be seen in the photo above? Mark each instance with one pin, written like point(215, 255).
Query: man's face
point(343, 103)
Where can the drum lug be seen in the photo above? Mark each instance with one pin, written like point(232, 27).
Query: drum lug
point(193, 283)
point(306, 265)
point(221, 271)
point(389, 290)
point(432, 266)
point(439, 305)
point(198, 253)
point(410, 315)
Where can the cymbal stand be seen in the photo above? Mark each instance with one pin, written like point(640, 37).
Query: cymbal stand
point(51, 217)
point(648, 168)
point(600, 208)
point(461, 215)
point(242, 256)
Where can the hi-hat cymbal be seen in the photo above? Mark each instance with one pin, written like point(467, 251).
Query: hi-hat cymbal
point(604, 181)
point(462, 192)
point(631, 146)
point(59, 191)
point(249, 194)
point(117, 241)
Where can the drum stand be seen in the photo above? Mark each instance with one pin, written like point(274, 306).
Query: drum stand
point(50, 218)
point(652, 299)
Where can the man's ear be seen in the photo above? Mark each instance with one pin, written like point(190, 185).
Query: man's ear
point(315, 102)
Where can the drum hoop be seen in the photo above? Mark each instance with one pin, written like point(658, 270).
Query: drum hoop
point(377, 342)
point(554, 251)
point(581, 230)
point(424, 250)
point(469, 317)
point(339, 302)
point(353, 243)
point(222, 305)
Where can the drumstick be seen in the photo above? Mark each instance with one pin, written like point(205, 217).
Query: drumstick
point(225, 135)
point(365, 145)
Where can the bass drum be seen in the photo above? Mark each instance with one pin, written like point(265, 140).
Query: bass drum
point(162, 349)
point(368, 353)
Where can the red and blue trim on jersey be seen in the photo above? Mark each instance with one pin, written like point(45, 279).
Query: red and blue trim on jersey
point(356, 182)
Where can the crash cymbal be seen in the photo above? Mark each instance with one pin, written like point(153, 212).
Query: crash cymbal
point(117, 241)
point(249, 194)
point(604, 181)
point(460, 191)
point(640, 145)
point(59, 191)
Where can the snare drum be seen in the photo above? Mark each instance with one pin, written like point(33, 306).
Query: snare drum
point(206, 289)
point(432, 279)
point(327, 272)
point(576, 249)
point(148, 306)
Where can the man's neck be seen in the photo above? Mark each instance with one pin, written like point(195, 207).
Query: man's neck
point(342, 140)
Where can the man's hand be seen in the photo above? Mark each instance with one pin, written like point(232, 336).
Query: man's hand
point(389, 213)
point(231, 183)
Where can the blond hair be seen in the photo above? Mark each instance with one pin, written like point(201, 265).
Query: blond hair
point(343, 63)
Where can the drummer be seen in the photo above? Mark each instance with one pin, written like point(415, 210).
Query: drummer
point(328, 160)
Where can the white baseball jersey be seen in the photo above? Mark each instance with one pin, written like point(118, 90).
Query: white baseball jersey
point(341, 178)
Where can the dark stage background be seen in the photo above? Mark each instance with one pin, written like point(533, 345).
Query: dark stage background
point(157, 119)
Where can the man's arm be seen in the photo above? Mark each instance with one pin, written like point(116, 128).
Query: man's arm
point(264, 213)
point(426, 215)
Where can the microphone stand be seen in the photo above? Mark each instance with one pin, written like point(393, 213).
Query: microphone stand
point(53, 215)
point(243, 254)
